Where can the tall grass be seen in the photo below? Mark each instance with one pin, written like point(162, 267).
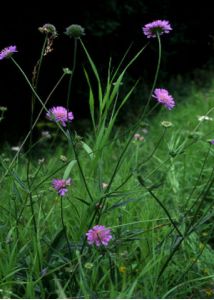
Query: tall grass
point(153, 190)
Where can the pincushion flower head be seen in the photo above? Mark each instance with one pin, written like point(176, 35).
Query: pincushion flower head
point(156, 27)
point(75, 31)
point(60, 114)
point(60, 185)
point(7, 52)
point(164, 98)
point(99, 235)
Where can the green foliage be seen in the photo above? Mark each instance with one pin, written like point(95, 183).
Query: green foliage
point(143, 234)
point(150, 183)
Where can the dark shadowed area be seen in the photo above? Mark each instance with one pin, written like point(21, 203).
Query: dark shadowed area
point(111, 26)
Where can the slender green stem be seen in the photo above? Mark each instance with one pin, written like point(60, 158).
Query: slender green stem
point(72, 72)
point(156, 75)
point(180, 278)
point(82, 173)
point(161, 205)
point(33, 214)
point(34, 84)
point(142, 163)
point(50, 176)
point(35, 79)
point(34, 124)
point(64, 227)
point(202, 195)
point(103, 199)
point(119, 162)
point(29, 83)
point(138, 122)
point(35, 229)
point(170, 257)
point(39, 64)
point(197, 182)
point(188, 231)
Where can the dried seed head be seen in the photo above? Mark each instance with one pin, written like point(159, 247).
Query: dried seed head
point(49, 29)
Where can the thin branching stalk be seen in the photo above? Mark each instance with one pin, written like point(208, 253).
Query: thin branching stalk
point(64, 227)
point(39, 64)
point(202, 195)
point(197, 181)
point(156, 75)
point(189, 229)
point(102, 201)
point(72, 72)
point(71, 142)
point(29, 83)
point(34, 124)
point(161, 205)
point(142, 163)
point(35, 230)
point(180, 278)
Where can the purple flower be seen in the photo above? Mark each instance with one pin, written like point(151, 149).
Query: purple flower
point(156, 27)
point(164, 97)
point(60, 185)
point(212, 142)
point(60, 114)
point(99, 235)
point(7, 52)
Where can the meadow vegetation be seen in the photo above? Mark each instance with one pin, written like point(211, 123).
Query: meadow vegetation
point(148, 182)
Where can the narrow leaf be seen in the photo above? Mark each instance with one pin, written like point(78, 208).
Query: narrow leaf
point(68, 169)
point(88, 150)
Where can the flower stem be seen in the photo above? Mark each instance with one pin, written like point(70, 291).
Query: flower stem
point(156, 75)
point(29, 83)
point(35, 229)
point(81, 170)
point(160, 203)
point(142, 162)
point(34, 124)
point(64, 227)
point(38, 65)
point(72, 72)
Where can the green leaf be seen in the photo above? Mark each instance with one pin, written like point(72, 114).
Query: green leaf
point(95, 72)
point(91, 98)
point(68, 169)
point(122, 203)
point(88, 150)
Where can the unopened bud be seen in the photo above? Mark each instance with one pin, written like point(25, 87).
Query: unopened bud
point(75, 31)
point(166, 124)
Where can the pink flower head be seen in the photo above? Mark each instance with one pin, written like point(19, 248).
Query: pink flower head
point(164, 97)
point(7, 52)
point(60, 114)
point(60, 185)
point(156, 27)
point(99, 235)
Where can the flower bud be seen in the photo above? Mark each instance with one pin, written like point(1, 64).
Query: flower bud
point(166, 124)
point(75, 31)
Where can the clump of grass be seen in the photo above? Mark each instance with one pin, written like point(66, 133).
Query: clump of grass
point(148, 187)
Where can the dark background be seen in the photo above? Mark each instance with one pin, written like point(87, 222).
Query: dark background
point(110, 26)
